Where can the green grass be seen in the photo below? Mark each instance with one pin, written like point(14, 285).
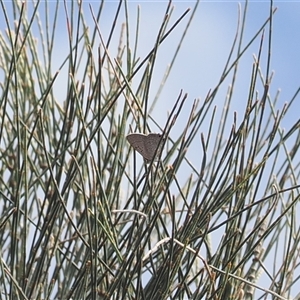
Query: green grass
point(82, 217)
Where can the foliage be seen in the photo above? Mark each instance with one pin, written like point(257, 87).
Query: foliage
point(82, 217)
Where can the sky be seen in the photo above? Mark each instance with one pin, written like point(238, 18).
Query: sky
point(204, 50)
point(207, 44)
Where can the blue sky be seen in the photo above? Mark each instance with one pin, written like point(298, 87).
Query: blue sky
point(205, 48)
point(207, 44)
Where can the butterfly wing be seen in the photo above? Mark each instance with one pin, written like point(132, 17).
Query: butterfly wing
point(146, 145)
point(153, 141)
point(137, 141)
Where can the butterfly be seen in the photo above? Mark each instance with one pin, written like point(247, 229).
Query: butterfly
point(146, 145)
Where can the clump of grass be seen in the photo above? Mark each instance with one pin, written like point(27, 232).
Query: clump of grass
point(83, 217)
